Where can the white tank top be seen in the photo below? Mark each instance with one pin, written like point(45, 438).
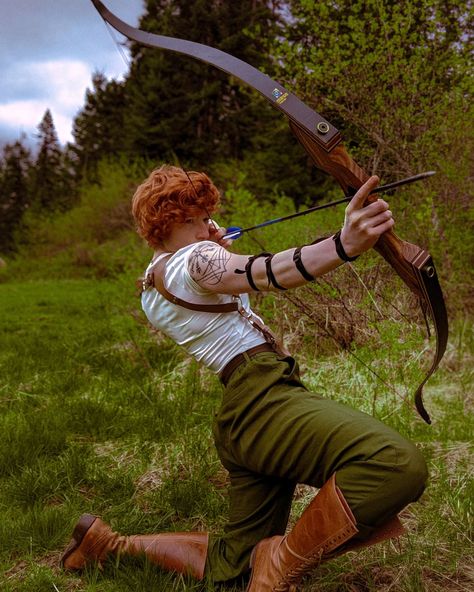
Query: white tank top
point(212, 338)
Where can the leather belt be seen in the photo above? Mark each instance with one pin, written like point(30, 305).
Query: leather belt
point(240, 358)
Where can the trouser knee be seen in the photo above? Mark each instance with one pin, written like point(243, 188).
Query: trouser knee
point(404, 479)
point(382, 484)
point(410, 474)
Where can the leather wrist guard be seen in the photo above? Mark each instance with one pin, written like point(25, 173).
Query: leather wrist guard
point(340, 249)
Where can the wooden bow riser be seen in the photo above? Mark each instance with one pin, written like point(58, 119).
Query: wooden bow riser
point(350, 176)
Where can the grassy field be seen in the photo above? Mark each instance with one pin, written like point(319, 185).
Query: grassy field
point(100, 415)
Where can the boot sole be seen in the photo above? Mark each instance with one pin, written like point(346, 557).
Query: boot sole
point(79, 532)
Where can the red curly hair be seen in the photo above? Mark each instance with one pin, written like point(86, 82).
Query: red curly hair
point(169, 196)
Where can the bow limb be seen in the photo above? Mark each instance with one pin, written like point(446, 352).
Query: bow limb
point(322, 141)
point(312, 122)
point(413, 264)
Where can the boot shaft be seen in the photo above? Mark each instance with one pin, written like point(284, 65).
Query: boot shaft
point(279, 563)
point(93, 541)
point(325, 525)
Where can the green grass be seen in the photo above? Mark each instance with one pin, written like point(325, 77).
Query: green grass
point(100, 415)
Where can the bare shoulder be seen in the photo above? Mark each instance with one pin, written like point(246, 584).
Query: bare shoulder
point(207, 264)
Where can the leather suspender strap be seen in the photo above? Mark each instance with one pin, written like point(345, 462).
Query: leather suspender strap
point(154, 279)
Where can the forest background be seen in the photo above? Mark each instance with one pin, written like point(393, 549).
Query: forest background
point(101, 414)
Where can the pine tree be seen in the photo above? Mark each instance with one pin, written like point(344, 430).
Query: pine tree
point(15, 168)
point(48, 184)
point(98, 129)
point(180, 106)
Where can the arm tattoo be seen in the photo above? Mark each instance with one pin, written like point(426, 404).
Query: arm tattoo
point(207, 263)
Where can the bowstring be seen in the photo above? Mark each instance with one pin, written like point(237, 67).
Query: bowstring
point(197, 197)
point(117, 44)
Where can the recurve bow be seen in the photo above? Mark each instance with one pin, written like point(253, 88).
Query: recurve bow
point(323, 143)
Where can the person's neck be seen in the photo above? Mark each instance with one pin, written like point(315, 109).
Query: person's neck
point(158, 252)
point(171, 247)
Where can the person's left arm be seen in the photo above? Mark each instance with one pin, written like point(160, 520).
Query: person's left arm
point(216, 269)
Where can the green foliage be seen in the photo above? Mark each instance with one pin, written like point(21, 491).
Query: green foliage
point(397, 78)
point(15, 168)
point(96, 238)
point(240, 207)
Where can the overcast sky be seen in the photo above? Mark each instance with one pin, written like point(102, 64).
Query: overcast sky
point(48, 52)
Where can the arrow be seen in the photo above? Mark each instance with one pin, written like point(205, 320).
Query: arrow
point(234, 232)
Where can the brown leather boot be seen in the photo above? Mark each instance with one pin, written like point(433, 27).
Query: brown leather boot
point(279, 563)
point(93, 540)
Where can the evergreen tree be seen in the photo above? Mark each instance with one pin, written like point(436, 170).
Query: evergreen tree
point(15, 170)
point(177, 105)
point(172, 107)
point(48, 190)
point(98, 129)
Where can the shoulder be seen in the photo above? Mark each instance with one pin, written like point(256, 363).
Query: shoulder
point(207, 261)
point(191, 255)
point(186, 267)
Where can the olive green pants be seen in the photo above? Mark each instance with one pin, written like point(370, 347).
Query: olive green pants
point(272, 433)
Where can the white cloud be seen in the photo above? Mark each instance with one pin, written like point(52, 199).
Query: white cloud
point(59, 85)
point(63, 81)
point(25, 116)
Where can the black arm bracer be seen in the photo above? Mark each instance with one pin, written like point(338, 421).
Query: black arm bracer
point(248, 269)
point(268, 267)
point(270, 274)
point(341, 253)
point(300, 266)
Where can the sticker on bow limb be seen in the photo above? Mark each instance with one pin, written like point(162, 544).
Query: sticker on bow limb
point(280, 96)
